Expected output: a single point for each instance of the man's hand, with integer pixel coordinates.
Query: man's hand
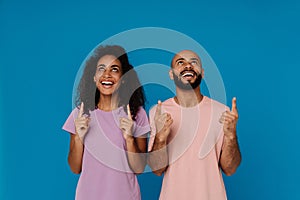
(229, 119)
(163, 122)
(230, 155)
(126, 124)
(81, 123)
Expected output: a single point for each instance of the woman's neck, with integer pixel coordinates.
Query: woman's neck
(107, 103)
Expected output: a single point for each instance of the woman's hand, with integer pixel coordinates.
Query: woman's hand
(81, 123)
(126, 125)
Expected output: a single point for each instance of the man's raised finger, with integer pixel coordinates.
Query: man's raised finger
(234, 108)
(158, 108)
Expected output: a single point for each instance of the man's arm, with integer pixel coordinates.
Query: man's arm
(230, 157)
(158, 158)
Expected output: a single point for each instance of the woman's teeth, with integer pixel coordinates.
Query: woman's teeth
(106, 83)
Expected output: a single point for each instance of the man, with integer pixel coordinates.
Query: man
(193, 137)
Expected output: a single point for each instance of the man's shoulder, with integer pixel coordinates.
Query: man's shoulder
(166, 103)
(169, 101)
(215, 103)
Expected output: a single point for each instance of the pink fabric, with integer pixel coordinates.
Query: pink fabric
(194, 148)
(105, 170)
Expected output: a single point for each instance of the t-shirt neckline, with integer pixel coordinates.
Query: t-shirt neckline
(111, 111)
(192, 107)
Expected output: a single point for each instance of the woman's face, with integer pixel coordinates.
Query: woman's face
(108, 74)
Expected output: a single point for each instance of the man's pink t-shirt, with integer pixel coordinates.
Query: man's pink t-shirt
(105, 170)
(194, 147)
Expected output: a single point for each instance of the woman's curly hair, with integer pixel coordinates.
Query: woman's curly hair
(130, 89)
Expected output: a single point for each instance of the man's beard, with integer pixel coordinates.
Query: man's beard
(187, 86)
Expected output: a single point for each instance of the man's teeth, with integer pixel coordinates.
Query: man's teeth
(188, 74)
(106, 82)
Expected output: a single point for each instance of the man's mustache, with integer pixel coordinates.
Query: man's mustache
(190, 71)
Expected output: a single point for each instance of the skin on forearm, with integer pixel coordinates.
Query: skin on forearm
(136, 154)
(230, 155)
(75, 153)
(158, 158)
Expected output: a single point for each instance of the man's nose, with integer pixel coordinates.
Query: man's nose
(188, 66)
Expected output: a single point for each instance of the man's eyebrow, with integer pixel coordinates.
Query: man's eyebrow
(179, 59)
(195, 59)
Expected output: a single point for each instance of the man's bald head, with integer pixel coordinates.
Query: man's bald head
(185, 55)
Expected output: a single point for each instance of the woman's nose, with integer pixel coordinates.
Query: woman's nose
(106, 73)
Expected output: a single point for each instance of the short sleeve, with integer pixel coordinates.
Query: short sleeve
(69, 125)
(153, 128)
(213, 138)
(142, 123)
(221, 139)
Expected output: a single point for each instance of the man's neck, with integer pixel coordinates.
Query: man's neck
(188, 98)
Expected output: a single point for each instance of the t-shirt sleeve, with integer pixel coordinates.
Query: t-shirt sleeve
(153, 128)
(221, 137)
(141, 124)
(69, 124)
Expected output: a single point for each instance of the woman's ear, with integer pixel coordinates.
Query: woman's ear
(171, 74)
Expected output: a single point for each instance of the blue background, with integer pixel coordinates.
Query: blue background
(255, 45)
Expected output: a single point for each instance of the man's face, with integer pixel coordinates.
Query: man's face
(186, 70)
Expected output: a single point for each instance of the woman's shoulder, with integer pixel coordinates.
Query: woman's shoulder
(141, 114)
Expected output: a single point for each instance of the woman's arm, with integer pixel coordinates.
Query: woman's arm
(76, 141)
(136, 153)
(75, 153)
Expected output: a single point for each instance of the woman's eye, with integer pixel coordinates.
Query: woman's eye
(101, 69)
(115, 69)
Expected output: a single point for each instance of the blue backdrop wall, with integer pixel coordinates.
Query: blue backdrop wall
(255, 45)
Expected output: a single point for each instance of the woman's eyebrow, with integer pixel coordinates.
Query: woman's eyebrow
(115, 65)
(101, 65)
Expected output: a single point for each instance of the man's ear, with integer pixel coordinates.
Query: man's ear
(94, 79)
(202, 73)
(171, 74)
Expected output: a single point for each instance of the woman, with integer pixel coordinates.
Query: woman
(108, 128)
